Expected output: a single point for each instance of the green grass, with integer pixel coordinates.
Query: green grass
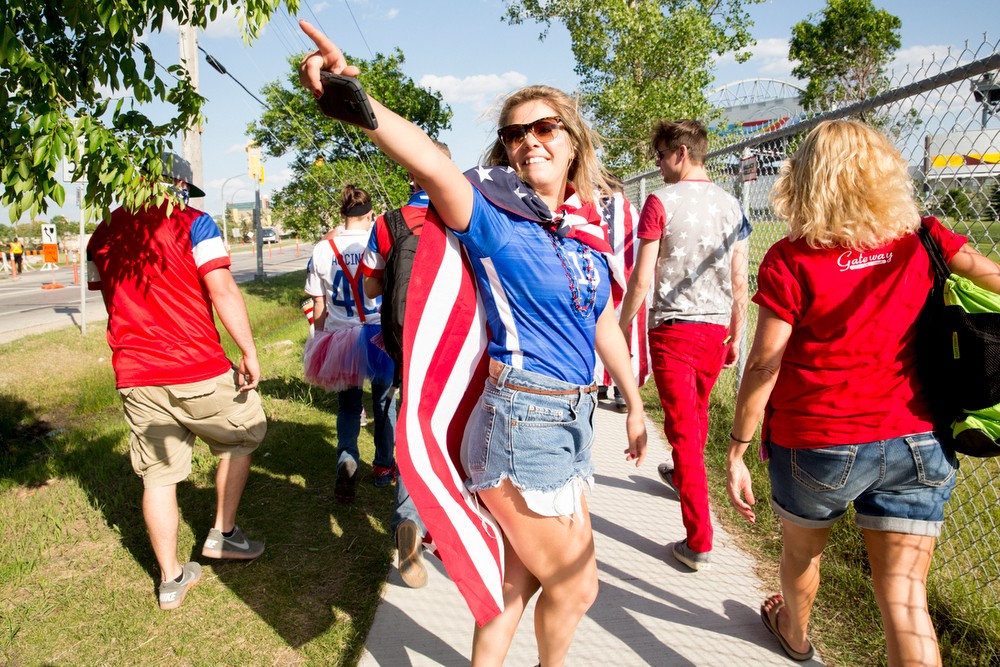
(77, 574)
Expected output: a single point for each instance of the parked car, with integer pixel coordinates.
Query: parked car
(268, 235)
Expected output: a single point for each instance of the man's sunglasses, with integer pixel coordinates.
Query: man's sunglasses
(543, 129)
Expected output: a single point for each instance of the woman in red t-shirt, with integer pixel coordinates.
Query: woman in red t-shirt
(846, 420)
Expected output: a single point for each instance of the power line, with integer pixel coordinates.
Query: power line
(315, 18)
(217, 66)
(363, 159)
(360, 32)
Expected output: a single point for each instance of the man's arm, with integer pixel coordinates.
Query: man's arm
(739, 275)
(639, 282)
(228, 303)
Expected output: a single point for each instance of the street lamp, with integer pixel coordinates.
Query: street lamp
(225, 222)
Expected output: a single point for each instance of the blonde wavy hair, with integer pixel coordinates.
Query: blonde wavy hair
(586, 168)
(846, 186)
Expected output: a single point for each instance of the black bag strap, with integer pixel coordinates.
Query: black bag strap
(398, 228)
(941, 270)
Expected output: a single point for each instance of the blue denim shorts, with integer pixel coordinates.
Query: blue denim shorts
(540, 442)
(898, 485)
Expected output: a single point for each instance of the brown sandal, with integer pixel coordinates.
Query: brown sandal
(770, 620)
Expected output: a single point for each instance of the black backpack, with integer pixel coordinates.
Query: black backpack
(395, 283)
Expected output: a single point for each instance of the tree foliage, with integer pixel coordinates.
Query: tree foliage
(843, 52)
(642, 60)
(61, 60)
(327, 154)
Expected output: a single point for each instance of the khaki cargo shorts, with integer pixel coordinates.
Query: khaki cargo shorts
(165, 421)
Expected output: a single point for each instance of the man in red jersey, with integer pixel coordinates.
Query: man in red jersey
(160, 275)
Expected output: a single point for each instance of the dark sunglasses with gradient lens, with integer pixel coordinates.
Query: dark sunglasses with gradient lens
(543, 129)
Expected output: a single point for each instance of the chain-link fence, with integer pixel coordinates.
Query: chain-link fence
(944, 116)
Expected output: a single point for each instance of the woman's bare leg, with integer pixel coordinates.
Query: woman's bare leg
(801, 549)
(899, 565)
(558, 554)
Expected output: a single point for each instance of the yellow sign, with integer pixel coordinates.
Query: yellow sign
(254, 166)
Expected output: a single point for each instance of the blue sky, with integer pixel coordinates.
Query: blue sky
(463, 49)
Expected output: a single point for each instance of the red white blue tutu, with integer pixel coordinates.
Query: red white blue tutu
(341, 359)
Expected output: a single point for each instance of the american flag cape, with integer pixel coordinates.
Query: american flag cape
(622, 223)
(445, 368)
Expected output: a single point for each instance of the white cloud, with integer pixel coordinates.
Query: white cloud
(915, 57)
(279, 179)
(225, 25)
(480, 91)
(771, 48)
(769, 59)
(392, 13)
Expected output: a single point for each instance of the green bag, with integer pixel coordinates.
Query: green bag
(959, 356)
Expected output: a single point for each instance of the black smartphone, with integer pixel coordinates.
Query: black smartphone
(345, 99)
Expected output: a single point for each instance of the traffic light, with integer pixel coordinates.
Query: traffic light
(255, 168)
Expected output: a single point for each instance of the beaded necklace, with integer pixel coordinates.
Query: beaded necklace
(582, 309)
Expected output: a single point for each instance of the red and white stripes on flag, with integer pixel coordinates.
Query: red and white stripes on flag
(622, 222)
(446, 366)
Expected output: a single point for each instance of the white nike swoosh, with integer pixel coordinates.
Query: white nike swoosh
(241, 545)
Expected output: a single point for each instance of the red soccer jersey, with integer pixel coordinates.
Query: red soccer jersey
(848, 374)
(149, 269)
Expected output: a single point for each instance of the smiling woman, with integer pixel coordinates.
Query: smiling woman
(538, 267)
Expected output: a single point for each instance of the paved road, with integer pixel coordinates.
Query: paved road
(26, 308)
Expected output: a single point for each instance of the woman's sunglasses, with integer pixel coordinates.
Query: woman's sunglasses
(543, 129)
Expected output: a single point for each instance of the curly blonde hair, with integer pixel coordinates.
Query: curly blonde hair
(846, 186)
(586, 172)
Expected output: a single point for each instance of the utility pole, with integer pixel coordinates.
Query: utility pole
(191, 140)
(256, 171)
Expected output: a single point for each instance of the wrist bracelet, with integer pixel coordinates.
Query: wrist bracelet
(742, 442)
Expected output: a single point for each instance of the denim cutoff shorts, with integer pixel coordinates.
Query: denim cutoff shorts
(898, 485)
(540, 442)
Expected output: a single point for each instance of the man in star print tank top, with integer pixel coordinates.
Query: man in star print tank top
(693, 252)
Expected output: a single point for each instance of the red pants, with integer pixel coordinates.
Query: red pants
(687, 358)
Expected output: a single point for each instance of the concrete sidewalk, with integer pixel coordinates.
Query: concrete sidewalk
(651, 610)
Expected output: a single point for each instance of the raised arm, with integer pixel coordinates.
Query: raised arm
(398, 138)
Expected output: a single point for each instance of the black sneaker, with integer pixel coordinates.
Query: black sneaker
(344, 490)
